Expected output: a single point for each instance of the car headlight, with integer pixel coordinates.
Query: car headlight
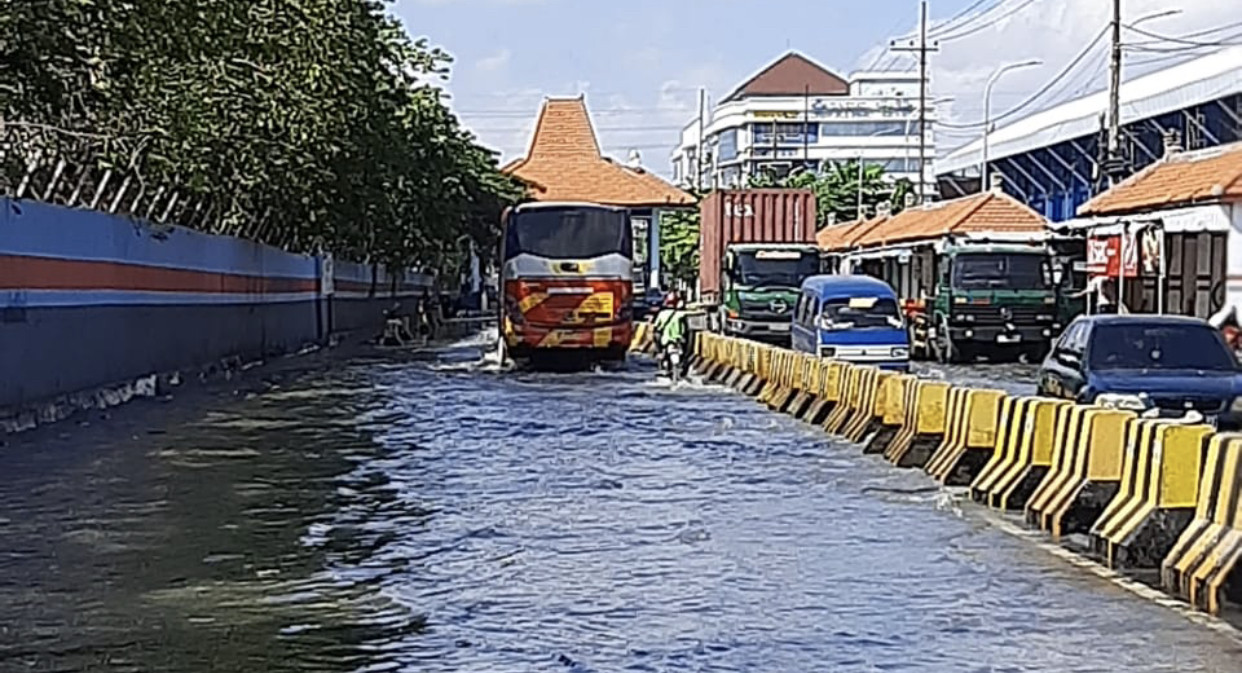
(1119, 401)
(901, 352)
(1236, 407)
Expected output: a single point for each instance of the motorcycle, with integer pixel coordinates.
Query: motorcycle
(671, 362)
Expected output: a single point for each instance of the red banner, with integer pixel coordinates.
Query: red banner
(1104, 255)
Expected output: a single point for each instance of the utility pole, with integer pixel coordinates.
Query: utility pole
(806, 127)
(923, 48)
(698, 153)
(1112, 162)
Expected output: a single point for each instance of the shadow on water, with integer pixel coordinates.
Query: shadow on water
(434, 513)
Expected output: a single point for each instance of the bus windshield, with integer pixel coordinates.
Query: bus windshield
(1000, 271)
(569, 233)
(1197, 347)
(783, 268)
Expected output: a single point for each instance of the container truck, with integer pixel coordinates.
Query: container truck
(756, 248)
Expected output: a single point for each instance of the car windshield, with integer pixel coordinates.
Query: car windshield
(1159, 347)
(784, 268)
(860, 313)
(1011, 271)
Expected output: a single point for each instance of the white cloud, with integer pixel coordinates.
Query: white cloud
(1054, 31)
(495, 62)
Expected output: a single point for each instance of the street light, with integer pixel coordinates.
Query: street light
(1153, 17)
(987, 112)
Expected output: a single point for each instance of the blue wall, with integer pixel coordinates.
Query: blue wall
(89, 299)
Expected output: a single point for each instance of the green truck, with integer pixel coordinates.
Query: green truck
(971, 299)
(756, 248)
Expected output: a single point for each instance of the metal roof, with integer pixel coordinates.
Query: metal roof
(1196, 81)
(848, 285)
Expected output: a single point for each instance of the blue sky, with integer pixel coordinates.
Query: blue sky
(640, 62)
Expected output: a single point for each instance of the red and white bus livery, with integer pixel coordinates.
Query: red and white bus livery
(567, 278)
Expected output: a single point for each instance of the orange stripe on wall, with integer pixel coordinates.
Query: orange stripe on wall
(42, 273)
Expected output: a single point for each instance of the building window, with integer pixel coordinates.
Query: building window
(786, 133)
(727, 140)
(856, 129)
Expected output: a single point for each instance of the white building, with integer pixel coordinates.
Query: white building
(820, 119)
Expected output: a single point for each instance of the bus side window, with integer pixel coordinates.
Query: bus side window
(800, 313)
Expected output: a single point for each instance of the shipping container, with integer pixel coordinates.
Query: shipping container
(734, 216)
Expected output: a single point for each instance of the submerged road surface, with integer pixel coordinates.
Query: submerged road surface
(394, 514)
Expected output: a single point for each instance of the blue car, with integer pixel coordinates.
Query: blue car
(1170, 363)
(852, 319)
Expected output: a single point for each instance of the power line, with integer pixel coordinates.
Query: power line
(967, 33)
(947, 25)
(1038, 94)
(1179, 40)
(1197, 33)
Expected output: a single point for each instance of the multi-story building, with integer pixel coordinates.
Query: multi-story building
(795, 113)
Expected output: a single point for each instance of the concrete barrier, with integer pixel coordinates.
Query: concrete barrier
(848, 402)
(1024, 446)
(969, 438)
(809, 367)
(1085, 474)
(923, 426)
(827, 393)
(870, 407)
(1157, 496)
(892, 401)
(643, 339)
(1203, 559)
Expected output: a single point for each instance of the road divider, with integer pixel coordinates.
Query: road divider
(1145, 493)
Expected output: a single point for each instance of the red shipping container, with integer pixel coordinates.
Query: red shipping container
(731, 216)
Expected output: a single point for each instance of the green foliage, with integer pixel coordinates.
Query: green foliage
(679, 244)
(836, 191)
(308, 125)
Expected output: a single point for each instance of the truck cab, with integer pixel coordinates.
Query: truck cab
(994, 300)
(760, 284)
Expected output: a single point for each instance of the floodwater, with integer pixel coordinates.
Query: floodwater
(431, 514)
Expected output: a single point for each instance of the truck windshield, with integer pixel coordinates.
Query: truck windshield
(1159, 347)
(855, 314)
(568, 233)
(783, 269)
(1000, 271)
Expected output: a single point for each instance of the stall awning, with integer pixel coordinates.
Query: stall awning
(1192, 219)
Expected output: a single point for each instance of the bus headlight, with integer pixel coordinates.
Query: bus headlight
(901, 352)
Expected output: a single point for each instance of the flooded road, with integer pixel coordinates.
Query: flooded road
(431, 515)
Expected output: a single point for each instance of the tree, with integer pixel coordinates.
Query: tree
(316, 125)
(836, 190)
(679, 244)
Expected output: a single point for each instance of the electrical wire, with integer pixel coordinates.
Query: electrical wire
(1197, 33)
(947, 25)
(967, 33)
(1038, 94)
(1179, 40)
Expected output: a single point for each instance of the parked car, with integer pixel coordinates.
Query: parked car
(852, 319)
(1170, 363)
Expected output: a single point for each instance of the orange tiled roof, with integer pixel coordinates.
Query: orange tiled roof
(987, 212)
(564, 163)
(840, 237)
(1210, 175)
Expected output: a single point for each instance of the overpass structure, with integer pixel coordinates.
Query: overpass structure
(1051, 160)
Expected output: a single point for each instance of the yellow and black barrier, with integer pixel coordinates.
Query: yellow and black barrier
(892, 402)
(969, 437)
(1024, 446)
(1203, 559)
(643, 339)
(870, 404)
(1133, 484)
(1085, 473)
(923, 426)
(1159, 490)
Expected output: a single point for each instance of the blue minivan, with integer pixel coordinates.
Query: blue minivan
(853, 319)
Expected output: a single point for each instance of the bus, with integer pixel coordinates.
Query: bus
(567, 278)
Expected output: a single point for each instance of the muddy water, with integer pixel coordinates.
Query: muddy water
(433, 515)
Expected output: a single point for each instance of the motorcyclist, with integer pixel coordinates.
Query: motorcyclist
(669, 326)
